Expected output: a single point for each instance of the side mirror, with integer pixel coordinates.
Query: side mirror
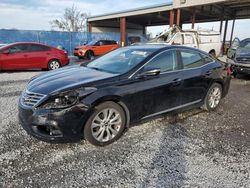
(149, 72)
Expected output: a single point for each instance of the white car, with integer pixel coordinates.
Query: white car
(206, 40)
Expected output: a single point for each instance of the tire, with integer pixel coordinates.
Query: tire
(101, 132)
(89, 55)
(214, 94)
(54, 64)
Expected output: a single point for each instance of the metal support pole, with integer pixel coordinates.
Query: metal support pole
(193, 17)
(171, 18)
(221, 25)
(224, 37)
(89, 27)
(232, 32)
(123, 31)
(144, 32)
(178, 17)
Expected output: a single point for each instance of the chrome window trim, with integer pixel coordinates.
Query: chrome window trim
(183, 69)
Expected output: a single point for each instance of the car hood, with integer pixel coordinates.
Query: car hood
(65, 78)
(243, 52)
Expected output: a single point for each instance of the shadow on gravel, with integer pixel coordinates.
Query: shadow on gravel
(168, 167)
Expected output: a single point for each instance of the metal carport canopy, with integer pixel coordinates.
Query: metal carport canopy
(206, 11)
(178, 12)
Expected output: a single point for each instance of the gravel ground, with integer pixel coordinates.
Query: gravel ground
(200, 149)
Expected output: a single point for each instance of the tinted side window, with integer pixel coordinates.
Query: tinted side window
(107, 42)
(191, 59)
(37, 48)
(19, 48)
(165, 61)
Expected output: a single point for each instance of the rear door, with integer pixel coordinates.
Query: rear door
(38, 55)
(17, 58)
(197, 72)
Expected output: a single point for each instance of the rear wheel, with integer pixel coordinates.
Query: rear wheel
(105, 125)
(54, 64)
(213, 97)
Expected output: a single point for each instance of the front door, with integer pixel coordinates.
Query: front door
(17, 58)
(160, 93)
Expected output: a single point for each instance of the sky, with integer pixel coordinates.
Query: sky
(36, 14)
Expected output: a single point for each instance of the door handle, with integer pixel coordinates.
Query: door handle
(176, 81)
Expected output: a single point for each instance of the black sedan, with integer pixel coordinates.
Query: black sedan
(99, 100)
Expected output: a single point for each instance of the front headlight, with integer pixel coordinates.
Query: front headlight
(67, 99)
(82, 51)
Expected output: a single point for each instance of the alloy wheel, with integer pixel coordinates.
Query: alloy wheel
(54, 65)
(214, 97)
(106, 124)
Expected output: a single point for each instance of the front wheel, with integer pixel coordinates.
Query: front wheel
(89, 55)
(213, 97)
(105, 125)
(54, 64)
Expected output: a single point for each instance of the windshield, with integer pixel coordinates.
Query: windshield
(121, 60)
(91, 43)
(167, 36)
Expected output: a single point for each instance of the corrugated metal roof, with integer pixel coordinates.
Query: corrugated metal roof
(132, 11)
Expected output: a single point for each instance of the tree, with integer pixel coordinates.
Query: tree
(73, 20)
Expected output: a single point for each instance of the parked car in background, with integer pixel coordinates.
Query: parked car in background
(95, 48)
(232, 49)
(98, 100)
(241, 63)
(29, 55)
(207, 40)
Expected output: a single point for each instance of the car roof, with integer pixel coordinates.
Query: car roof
(15, 43)
(161, 46)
